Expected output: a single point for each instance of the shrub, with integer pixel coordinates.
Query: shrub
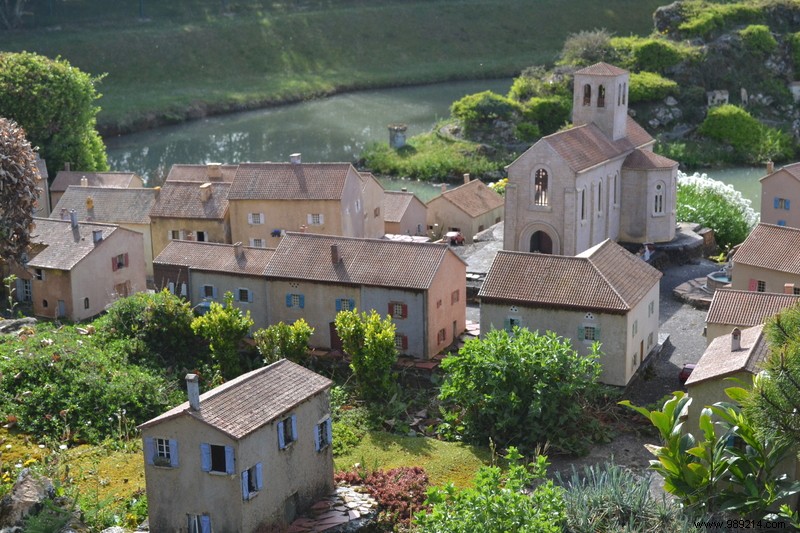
(751, 141)
(400, 492)
(715, 205)
(650, 54)
(18, 177)
(648, 87)
(758, 38)
(224, 327)
(587, 47)
(369, 341)
(550, 113)
(480, 110)
(521, 389)
(705, 18)
(535, 81)
(794, 43)
(281, 340)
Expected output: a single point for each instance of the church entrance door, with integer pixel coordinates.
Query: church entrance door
(541, 243)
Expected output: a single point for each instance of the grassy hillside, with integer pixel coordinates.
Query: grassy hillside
(187, 59)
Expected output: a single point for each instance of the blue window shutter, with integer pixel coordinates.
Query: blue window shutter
(149, 449)
(329, 430)
(249, 295)
(229, 468)
(294, 427)
(173, 453)
(581, 333)
(288, 300)
(245, 491)
(352, 304)
(597, 333)
(776, 202)
(214, 292)
(259, 476)
(302, 301)
(317, 443)
(786, 204)
(781, 222)
(281, 439)
(205, 524)
(338, 305)
(205, 457)
(507, 324)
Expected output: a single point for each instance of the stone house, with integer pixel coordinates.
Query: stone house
(779, 189)
(127, 208)
(75, 270)
(246, 456)
(469, 208)
(767, 260)
(204, 272)
(404, 213)
(422, 286)
(597, 180)
(743, 309)
(605, 294)
(269, 199)
(67, 177)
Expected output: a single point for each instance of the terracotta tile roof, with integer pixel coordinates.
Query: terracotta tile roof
(383, 263)
(647, 160)
(253, 400)
(793, 170)
(109, 204)
(772, 247)
(200, 173)
(605, 277)
(215, 257)
(637, 136)
(368, 178)
(719, 360)
(287, 181)
(474, 198)
(601, 69)
(64, 246)
(65, 178)
(181, 199)
(747, 308)
(395, 204)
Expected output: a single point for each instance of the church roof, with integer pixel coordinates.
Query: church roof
(647, 160)
(601, 69)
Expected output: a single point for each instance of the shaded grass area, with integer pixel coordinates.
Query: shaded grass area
(196, 61)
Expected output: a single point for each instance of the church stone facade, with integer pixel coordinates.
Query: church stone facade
(597, 180)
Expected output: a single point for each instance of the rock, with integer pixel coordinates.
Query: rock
(14, 325)
(114, 529)
(671, 101)
(667, 18)
(26, 497)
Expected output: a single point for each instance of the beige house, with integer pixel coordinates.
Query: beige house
(597, 180)
(77, 269)
(246, 456)
(743, 309)
(67, 177)
(269, 199)
(778, 190)
(404, 213)
(422, 286)
(190, 211)
(605, 294)
(469, 208)
(127, 208)
(372, 192)
(203, 272)
(768, 260)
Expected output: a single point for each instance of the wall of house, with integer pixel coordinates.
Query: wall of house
(640, 222)
(709, 392)
(166, 274)
(450, 316)
(775, 190)
(372, 194)
(447, 215)
(745, 278)
(642, 332)
(160, 230)
(45, 293)
(413, 326)
(714, 330)
(147, 245)
(413, 221)
(224, 282)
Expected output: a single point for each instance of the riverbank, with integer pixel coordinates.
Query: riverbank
(169, 67)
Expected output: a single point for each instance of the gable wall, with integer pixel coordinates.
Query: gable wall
(775, 280)
(160, 228)
(780, 185)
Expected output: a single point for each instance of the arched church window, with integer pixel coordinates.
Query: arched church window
(587, 94)
(540, 187)
(658, 199)
(624, 92)
(601, 96)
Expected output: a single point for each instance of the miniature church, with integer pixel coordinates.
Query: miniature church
(597, 180)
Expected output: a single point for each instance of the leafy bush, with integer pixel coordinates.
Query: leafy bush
(224, 327)
(535, 81)
(704, 18)
(587, 47)
(521, 389)
(649, 87)
(794, 43)
(758, 38)
(550, 113)
(281, 340)
(369, 341)
(650, 54)
(752, 141)
(400, 492)
(715, 205)
(480, 110)
(18, 177)
(498, 503)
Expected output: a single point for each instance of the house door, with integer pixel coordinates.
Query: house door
(336, 342)
(62, 309)
(24, 290)
(541, 243)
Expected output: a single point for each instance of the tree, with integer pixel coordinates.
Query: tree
(224, 327)
(370, 341)
(54, 102)
(284, 341)
(18, 177)
(520, 388)
(587, 47)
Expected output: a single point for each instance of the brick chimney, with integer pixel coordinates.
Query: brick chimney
(193, 390)
(466, 178)
(64, 214)
(214, 171)
(205, 192)
(736, 340)
(237, 249)
(788, 288)
(335, 257)
(66, 166)
(296, 158)
(97, 236)
(770, 166)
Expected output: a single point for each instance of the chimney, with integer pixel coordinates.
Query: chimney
(788, 288)
(770, 166)
(404, 189)
(466, 178)
(89, 203)
(157, 191)
(214, 171)
(335, 258)
(444, 188)
(193, 389)
(295, 159)
(73, 218)
(66, 167)
(237, 249)
(84, 181)
(64, 214)
(736, 340)
(97, 236)
(205, 192)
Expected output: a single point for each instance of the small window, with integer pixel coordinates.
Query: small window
(796, 290)
(454, 297)
(782, 203)
(199, 523)
(400, 342)
(252, 481)
(651, 308)
(587, 94)
(658, 199)
(589, 333)
(202, 236)
(583, 204)
(44, 303)
(295, 300)
(161, 452)
(39, 274)
(175, 235)
(540, 183)
(255, 218)
(216, 458)
(377, 211)
(209, 291)
(600, 198)
(442, 336)
(635, 328)
(218, 463)
(287, 431)
(601, 96)
(438, 303)
(244, 295)
(616, 201)
(345, 304)
(398, 310)
(781, 222)
(323, 435)
(650, 339)
(121, 260)
(761, 286)
(315, 219)
(86, 303)
(257, 243)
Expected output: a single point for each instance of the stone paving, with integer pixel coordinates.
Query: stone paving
(344, 505)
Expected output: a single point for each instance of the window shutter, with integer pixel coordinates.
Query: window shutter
(753, 285)
(352, 304)
(309, 219)
(302, 301)
(581, 333)
(775, 202)
(249, 218)
(229, 460)
(171, 287)
(114, 264)
(338, 305)
(205, 524)
(597, 333)
(329, 430)
(259, 476)
(507, 324)
(281, 439)
(245, 491)
(126, 258)
(288, 300)
(205, 457)
(294, 427)
(262, 217)
(321, 218)
(214, 292)
(169, 234)
(405, 311)
(183, 289)
(249, 295)
(173, 453)
(786, 204)
(391, 309)
(316, 438)
(149, 450)
(404, 342)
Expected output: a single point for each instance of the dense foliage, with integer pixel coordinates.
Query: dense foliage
(715, 205)
(18, 177)
(703, 18)
(758, 38)
(649, 87)
(370, 342)
(480, 110)
(587, 47)
(752, 141)
(280, 341)
(55, 103)
(521, 389)
(499, 503)
(650, 54)
(549, 113)
(400, 492)
(224, 327)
